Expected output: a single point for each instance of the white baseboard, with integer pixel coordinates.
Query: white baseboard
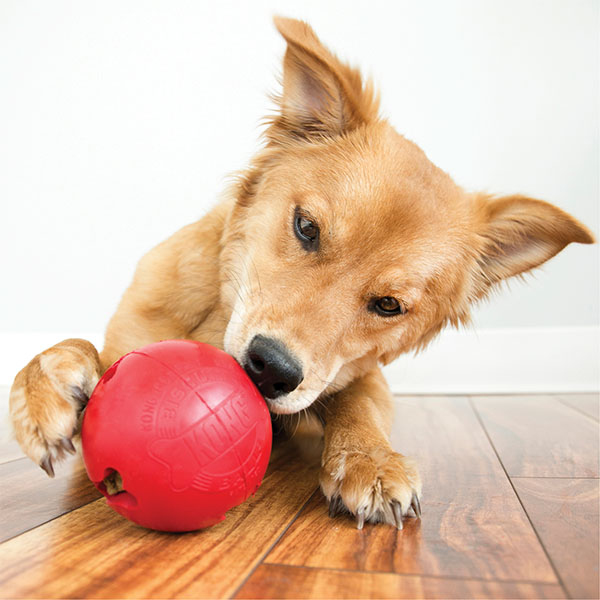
(488, 361)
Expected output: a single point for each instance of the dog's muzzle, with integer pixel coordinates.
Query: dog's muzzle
(272, 367)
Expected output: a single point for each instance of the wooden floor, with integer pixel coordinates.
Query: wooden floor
(510, 510)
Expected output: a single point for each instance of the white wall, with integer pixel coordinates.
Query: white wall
(121, 120)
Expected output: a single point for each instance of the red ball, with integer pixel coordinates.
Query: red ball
(186, 429)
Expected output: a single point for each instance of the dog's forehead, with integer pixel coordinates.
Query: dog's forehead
(378, 172)
(384, 184)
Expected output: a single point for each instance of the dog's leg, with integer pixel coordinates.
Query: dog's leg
(47, 398)
(305, 431)
(360, 472)
(49, 394)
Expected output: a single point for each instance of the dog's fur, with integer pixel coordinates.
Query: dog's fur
(391, 224)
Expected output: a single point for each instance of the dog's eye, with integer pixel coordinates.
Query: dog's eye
(387, 306)
(307, 231)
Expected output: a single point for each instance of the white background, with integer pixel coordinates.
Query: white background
(121, 121)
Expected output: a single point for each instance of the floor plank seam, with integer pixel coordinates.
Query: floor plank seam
(408, 574)
(68, 512)
(268, 551)
(577, 410)
(550, 561)
(12, 460)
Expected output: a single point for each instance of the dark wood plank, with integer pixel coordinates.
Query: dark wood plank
(588, 404)
(93, 552)
(473, 524)
(538, 436)
(29, 497)
(565, 515)
(283, 581)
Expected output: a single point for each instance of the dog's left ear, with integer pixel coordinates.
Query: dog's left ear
(517, 234)
(322, 97)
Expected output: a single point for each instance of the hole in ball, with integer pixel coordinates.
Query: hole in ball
(112, 488)
(112, 483)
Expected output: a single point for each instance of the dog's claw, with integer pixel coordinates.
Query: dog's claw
(397, 510)
(416, 506)
(79, 395)
(360, 518)
(334, 506)
(46, 464)
(67, 445)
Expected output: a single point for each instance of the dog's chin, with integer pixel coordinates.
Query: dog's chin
(289, 404)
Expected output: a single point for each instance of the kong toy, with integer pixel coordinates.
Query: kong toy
(175, 434)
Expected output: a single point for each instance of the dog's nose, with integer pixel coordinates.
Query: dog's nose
(272, 367)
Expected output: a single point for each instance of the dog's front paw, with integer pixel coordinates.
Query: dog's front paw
(378, 485)
(47, 397)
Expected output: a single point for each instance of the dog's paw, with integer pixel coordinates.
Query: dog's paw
(376, 486)
(47, 398)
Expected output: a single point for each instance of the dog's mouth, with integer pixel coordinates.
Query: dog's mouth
(279, 407)
(277, 373)
(281, 376)
(291, 403)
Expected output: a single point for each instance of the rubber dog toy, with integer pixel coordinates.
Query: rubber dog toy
(175, 434)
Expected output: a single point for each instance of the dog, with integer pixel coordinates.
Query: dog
(339, 248)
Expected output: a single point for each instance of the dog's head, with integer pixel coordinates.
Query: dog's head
(348, 247)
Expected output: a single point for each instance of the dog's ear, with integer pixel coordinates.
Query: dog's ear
(321, 96)
(517, 234)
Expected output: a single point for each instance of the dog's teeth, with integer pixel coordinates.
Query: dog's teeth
(397, 510)
(67, 445)
(360, 518)
(416, 506)
(46, 464)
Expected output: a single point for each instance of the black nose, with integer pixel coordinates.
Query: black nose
(272, 368)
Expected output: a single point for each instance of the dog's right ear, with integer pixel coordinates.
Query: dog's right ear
(321, 96)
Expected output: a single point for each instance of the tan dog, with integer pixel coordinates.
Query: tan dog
(341, 247)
